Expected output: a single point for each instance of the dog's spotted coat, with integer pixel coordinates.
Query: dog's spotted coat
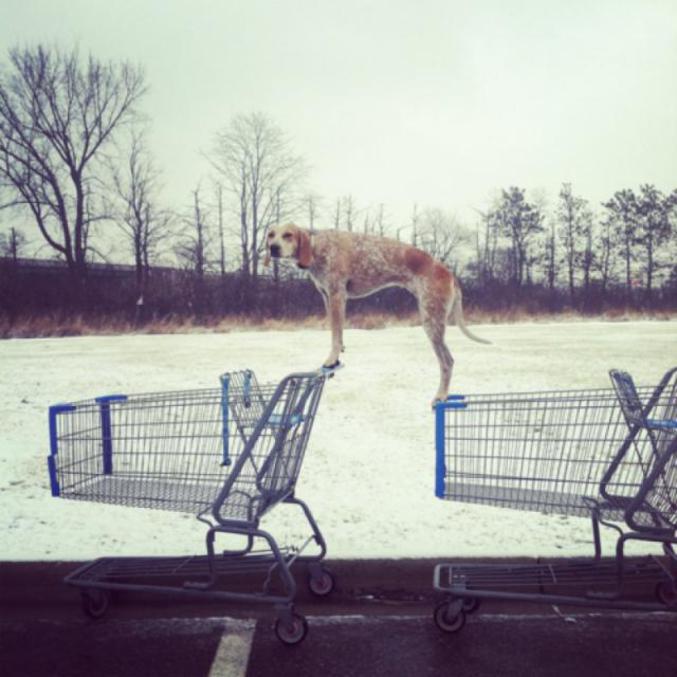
(350, 265)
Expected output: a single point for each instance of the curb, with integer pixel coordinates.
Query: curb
(24, 583)
(363, 586)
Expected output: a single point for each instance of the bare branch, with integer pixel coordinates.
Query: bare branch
(254, 161)
(56, 114)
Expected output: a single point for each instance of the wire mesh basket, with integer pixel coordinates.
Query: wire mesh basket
(605, 454)
(545, 451)
(178, 450)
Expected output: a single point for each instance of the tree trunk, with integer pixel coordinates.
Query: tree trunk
(649, 266)
(221, 242)
(628, 271)
(255, 242)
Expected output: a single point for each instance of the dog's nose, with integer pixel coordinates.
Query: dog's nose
(275, 250)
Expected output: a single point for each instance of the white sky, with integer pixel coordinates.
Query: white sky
(429, 101)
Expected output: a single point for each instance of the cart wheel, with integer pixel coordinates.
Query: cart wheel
(95, 602)
(321, 585)
(666, 593)
(448, 623)
(291, 633)
(471, 605)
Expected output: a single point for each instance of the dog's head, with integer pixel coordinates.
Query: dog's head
(289, 242)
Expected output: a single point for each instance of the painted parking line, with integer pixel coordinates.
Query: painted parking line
(205, 647)
(232, 655)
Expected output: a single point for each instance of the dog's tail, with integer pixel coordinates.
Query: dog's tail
(456, 314)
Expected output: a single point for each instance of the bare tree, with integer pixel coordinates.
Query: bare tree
(136, 211)
(441, 235)
(193, 247)
(415, 218)
(255, 160)
(537, 246)
(222, 244)
(12, 243)
(622, 214)
(603, 261)
(520, 221)
(312, 204)
(575, 221)
(654, 229)
(56, 116)
(550, 259)
(380, 225)
(587, 255)
(337, 214)
(373, 224)
(276, 261)
(349, 212)
(487, 245)
(366, 225)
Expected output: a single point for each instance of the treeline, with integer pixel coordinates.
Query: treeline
(624, 253)
(75, 163)
(30, 289)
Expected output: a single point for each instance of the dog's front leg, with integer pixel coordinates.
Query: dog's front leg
(327, 310)
(336, 312)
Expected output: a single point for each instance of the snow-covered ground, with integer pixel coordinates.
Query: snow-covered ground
(369, 472)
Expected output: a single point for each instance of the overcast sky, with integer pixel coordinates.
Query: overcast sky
(438, 102)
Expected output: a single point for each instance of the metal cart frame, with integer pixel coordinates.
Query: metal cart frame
(229, 455)
(573, 453)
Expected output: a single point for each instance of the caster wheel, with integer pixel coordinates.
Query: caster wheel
(322, 585)
(95, 602)
(448, 623)
(291, 633)
(666, 593)
(471, 605)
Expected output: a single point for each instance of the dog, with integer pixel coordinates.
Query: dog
(345, 265)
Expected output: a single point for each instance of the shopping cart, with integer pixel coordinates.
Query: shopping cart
(574, 453)
(228, 455)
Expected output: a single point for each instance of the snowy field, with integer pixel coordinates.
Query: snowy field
(369, 472)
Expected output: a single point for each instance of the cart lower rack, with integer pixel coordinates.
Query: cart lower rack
(608, 455)
(228, 455)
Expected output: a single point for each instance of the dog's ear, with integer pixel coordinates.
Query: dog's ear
(304, 253)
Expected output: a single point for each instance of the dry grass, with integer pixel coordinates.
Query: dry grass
(610, 315)
(57, 325)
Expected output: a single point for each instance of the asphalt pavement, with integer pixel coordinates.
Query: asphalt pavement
(378, 622)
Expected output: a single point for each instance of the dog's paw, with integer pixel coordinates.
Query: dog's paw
(330, 372)
(437, 400)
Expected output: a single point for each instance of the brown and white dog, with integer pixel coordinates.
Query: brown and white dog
(347, 265)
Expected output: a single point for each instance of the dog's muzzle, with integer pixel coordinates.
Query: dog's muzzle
(275, 251)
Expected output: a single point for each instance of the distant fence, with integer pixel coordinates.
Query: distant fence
(40, 286)
(36, 286)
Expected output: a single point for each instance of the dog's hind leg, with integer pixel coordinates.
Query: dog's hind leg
(434, 327)
(434, 294)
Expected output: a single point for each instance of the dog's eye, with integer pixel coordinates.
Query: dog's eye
(287, 236)
(271, 235)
